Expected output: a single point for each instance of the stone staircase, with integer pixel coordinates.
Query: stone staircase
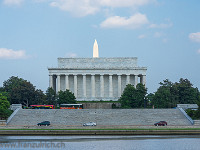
(101, 116)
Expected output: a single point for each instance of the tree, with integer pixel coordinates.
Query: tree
(5, 112)
(21, 91)
(164, 97)
(149, 99)
(40, 97)
(128, 97)
(141, 92)
(186, 93)
(133, 97)
(170, 94)
(66, 97)
(51, 97)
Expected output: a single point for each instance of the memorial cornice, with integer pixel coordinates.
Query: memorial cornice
(134, 68)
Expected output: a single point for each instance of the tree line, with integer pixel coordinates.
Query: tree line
(168, 95)
(20, 91)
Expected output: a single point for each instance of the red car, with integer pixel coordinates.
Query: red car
(161, 123)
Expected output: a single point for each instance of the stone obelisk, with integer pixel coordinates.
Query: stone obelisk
(95, 50)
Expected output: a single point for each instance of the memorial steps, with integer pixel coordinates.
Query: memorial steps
(26, 117)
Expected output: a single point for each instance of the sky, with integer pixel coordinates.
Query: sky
(163, 34)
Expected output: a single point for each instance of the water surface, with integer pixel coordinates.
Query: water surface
(100, 142)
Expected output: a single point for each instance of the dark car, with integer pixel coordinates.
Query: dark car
(160, 123)
(44, 123)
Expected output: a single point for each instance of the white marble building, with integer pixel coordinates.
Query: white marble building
(96, 78)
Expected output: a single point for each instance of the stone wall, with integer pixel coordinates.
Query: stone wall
(15, 106)
(188, 106)
(2, 122)
(80, 63)
(99, 105)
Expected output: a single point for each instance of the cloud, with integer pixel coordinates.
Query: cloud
(11, 54)
(142, 36)
(133, 22)
(158, 34)
(198, 51)
(79, 8)
(40, 1)
(71, 55)
(165, 40)
(161, 26)
(13, 2)
(195, 37)
(124, 3)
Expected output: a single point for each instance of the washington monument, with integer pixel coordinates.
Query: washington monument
(95, 50)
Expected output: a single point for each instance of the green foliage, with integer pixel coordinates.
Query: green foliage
(40, 97)
(4, 103)
(66, 97)
(5, 112)
(51, 97)
(194, 114)
(186, 93)
(162, 98)
(149, 99)
(170, 94)
(21, 91)
(141, 92)
(133, 97)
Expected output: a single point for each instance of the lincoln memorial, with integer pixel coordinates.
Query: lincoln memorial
(96, 78)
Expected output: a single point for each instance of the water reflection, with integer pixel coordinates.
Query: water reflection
(102, 142)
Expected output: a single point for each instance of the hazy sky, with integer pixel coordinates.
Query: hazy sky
(163, 34)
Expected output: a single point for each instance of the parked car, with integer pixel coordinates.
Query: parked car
(44, 123)
(160, 123)
(90, 124)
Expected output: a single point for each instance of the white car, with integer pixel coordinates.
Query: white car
(90, 124)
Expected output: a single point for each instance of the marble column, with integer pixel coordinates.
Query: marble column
(144, 79)
(84, 86)
(66, 82)
(58, 83)
(110, 86)
(119, 85)
(75, 85)
(54, 83)
(140, 78)
(102, 86)
(50, 81)
(136, 81)
(127, 79)
(93, 85)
